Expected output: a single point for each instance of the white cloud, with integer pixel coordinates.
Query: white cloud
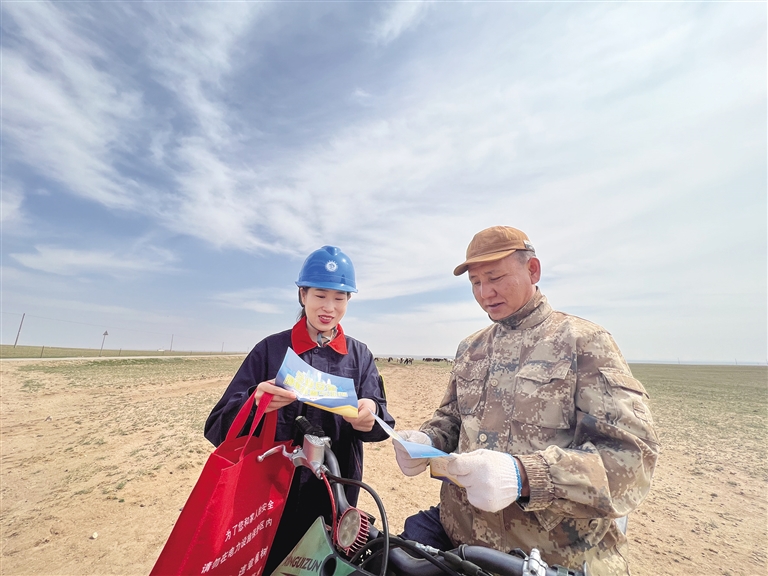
(11, 200)
(361, 97)
(192, 53)
(61, 113)
(191, 50)
(430, 330)
(398, 17)
(72, 262)
(262, 301)
(73, 120)
(215, 203)
(562, 156)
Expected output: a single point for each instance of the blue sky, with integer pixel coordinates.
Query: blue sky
(167, 166)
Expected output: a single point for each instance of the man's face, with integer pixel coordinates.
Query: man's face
(503, 286)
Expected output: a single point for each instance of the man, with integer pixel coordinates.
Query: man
(551, 434)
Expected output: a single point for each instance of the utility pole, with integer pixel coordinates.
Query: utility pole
(222, 347)
(171, 348)
(19, 332)
(102, 341)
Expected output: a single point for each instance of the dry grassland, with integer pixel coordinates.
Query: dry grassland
(113, 448)
(8, 351)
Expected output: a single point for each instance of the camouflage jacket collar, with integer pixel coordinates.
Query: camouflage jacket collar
(535, 311)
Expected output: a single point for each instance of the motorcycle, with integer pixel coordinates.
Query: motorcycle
(353, 546)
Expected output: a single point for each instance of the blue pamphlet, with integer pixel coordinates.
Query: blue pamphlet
(325, 391)
(414, 449)
(438, 460)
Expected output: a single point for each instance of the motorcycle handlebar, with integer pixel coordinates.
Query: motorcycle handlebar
(488, 559)
(472, 559)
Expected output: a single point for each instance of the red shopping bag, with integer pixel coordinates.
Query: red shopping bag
(230, 518)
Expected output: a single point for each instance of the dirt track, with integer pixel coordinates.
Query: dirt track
(84, 455)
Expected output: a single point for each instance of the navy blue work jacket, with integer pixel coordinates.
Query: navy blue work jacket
(308, 497)
(262, 364)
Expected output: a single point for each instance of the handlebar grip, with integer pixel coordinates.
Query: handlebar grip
(404, 563)
(303, 427)
(487, 558)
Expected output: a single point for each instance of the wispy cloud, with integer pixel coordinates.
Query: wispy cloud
(77, 122)
(433, 330)
(191, 50)
(397, 18)
(62, 112)
(524, 146)
(362, 97)
(11, 199)
(71, 262)
(193, 54)
(262, 301)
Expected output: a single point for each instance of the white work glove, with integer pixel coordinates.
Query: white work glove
(491, 478)
(411, 466)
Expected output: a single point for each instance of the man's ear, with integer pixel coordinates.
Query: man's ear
(534, 269)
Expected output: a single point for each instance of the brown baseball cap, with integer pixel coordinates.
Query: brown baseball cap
(494, 243)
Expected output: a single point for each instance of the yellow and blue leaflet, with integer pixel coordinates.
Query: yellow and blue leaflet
(325, 391)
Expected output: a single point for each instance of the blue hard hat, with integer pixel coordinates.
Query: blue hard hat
(328, 267)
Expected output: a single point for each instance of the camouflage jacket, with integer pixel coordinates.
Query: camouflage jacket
(553, 390)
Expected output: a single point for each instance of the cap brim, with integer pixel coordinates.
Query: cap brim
(461, 268)
(327, 286)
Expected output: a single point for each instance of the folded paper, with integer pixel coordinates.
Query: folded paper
(325, 391)
(438, 460)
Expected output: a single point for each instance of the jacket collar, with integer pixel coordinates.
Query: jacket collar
(535, 311)
(301, 341)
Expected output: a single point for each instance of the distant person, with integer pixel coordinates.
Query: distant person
(326, 282)
(553, 437)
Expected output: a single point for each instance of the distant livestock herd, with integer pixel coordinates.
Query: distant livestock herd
(410, 360)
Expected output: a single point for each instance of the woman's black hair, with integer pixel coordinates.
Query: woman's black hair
(302, 312)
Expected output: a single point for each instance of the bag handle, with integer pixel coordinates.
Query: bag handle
(270, 424)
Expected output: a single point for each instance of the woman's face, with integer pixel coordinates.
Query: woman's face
(324, 308)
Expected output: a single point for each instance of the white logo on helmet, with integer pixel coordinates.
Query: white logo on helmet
(331, 266)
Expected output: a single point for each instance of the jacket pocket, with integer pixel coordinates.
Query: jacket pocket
(628, 396)
(470, 385)
(620, 379)
(543, 395)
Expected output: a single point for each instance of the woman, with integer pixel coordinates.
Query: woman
(326, 281)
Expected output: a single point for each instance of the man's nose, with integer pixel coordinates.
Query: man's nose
(485, 290)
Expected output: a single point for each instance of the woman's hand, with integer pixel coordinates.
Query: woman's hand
(282, 397)
(364, 422)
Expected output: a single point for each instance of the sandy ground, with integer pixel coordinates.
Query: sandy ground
(93, 474)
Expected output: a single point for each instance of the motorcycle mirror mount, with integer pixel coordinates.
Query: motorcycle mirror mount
(312, 455)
